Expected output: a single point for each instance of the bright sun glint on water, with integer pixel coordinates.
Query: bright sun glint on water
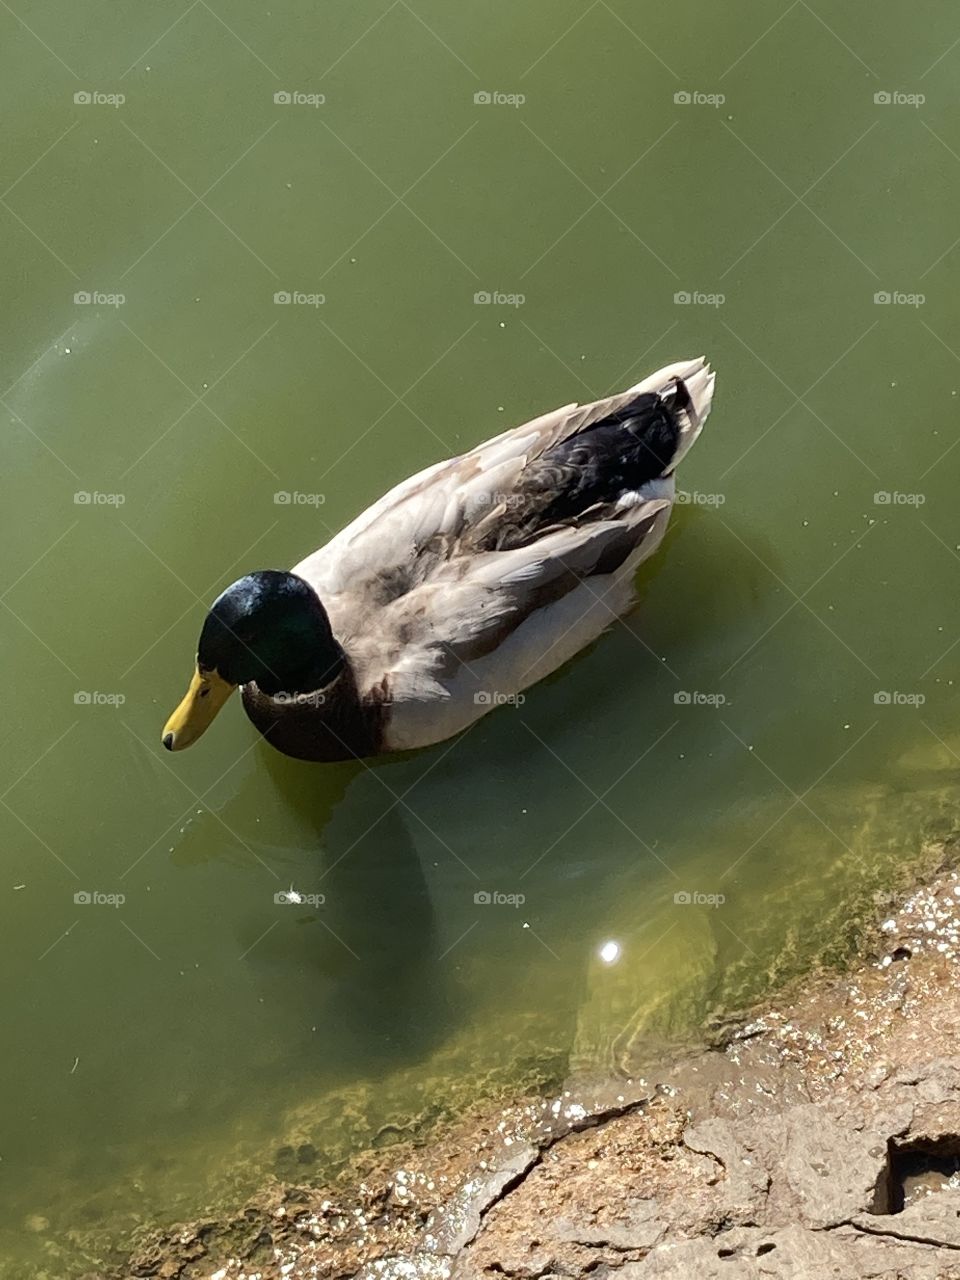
(610, 952)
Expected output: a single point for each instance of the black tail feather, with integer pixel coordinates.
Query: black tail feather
(590, 471)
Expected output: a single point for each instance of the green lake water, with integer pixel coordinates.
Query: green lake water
(775, 725)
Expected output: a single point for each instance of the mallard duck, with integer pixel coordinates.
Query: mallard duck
(457, 590)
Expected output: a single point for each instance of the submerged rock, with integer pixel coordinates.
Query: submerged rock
(820, 1138)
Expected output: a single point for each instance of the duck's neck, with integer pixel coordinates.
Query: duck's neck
(319, 669)
(326, 725)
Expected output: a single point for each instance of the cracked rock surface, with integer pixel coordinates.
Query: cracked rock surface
(822, 1140)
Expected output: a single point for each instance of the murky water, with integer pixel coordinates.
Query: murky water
(756, 733)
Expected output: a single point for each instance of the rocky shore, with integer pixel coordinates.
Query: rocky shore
(820, 1137)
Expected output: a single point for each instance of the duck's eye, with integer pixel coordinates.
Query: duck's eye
(203, 692)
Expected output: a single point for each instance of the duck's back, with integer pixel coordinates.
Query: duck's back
(482, 574)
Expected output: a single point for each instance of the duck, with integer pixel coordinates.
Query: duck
(459, 589)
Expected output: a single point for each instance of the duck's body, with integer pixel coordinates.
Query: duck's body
(481, 575)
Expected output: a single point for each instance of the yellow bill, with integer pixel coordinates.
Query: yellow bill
(206, 695)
